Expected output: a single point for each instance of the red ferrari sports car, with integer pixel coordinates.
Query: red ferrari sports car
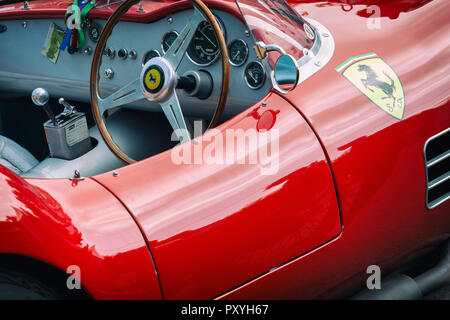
(222, 149)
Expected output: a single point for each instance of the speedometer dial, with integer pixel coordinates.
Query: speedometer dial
(204, 48)
(255, 75)
(238, 51)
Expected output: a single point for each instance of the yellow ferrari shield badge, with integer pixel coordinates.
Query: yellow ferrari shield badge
(153, 79)
(376, 80)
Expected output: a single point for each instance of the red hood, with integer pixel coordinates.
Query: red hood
(389, 8)
(57, 8)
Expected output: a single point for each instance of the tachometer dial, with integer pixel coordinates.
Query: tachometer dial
(255, 75)
(168, 39)
(238, 51)
(150, 55)
(204, 48)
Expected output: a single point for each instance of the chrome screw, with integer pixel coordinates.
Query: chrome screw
(77, 176)
(133, 54)
(26, 6)
(141, 8)
(87, 51)
(109, 73)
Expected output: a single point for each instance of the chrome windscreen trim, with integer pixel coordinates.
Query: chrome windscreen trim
(320, 54)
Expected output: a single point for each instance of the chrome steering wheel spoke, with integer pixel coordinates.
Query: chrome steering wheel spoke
(158, 79)
(127, 94)
(179, 47)
(172, 110)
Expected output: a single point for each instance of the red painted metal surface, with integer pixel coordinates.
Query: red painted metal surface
(78, 224)
(214, 228)
(154, 10)
(368, 8)
(377, 160)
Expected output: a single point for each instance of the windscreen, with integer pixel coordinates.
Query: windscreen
(275, 22)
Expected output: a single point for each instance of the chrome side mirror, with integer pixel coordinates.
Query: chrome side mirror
(285, 74)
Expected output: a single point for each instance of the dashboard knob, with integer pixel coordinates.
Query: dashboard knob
(133, 54)
(71, 50)
(109, 73)
(111, 53)
(122, 54)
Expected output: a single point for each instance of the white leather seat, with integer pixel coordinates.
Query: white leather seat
(14, 157)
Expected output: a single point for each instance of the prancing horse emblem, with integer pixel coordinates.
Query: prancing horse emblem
(373, 81)
(376, 80)
(152, 78)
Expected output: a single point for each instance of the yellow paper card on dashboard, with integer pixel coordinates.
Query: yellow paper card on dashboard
(52, 43)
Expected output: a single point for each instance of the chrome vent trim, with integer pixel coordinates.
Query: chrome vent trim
(436, 153)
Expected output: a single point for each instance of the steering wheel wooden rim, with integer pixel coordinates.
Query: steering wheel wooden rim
(97, 61)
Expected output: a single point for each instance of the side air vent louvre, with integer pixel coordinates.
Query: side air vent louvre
(437, 168)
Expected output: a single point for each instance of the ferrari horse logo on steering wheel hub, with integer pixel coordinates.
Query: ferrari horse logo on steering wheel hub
(154, 79)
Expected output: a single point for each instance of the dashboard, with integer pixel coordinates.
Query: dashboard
(23, 67)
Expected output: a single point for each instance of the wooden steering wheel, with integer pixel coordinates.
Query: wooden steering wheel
(158, 78)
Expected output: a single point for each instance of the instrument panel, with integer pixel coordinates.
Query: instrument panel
(248, 79)
(204, 50)
(131, 45)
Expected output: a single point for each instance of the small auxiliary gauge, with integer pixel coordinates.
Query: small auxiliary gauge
(150, 55)
(94, 31)
(255, 75)
(238, 51)
(168, 39)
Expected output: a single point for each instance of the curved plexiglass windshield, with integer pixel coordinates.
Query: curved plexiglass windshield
(274, 22)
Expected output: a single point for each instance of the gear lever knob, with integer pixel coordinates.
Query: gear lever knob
(40, 97)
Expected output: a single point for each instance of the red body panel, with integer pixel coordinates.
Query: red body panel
(377, 160)
(79, 224)
(213, 228)
(154, 10)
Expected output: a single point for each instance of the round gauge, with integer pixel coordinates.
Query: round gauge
(168, 39)
(150, 55)
(255, 75)
(238, 51)
(204, 49)
(94, 31)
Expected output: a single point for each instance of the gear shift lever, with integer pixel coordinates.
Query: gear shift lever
(40, 98)
(67, 134)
